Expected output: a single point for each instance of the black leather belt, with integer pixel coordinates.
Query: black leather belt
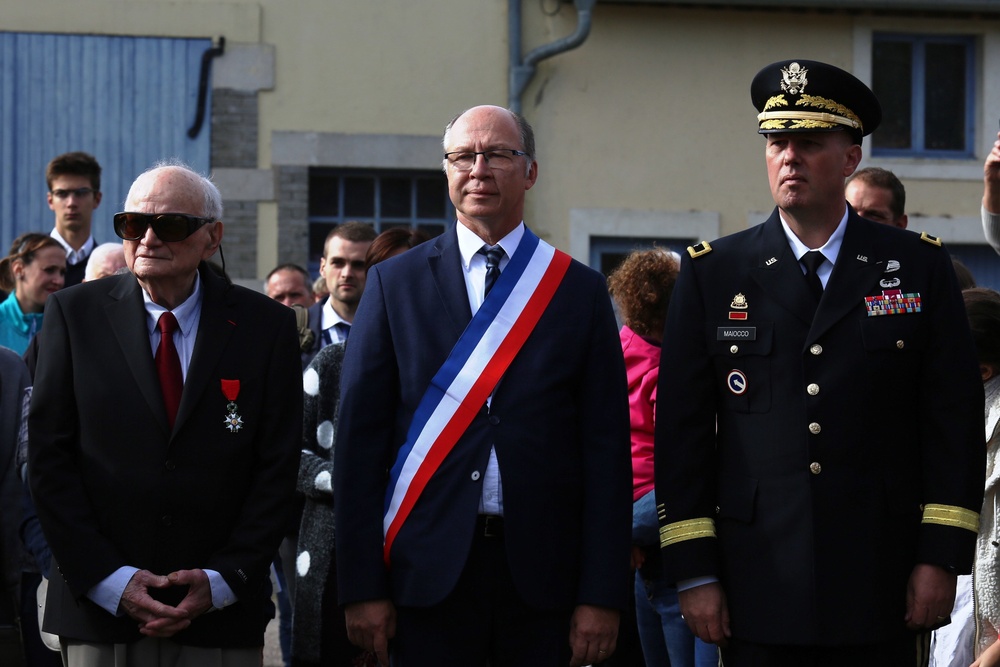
(489, 525)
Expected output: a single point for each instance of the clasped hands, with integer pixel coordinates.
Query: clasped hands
(157, 619)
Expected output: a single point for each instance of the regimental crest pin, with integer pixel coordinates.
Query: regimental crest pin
(793, 79)
(891, 265)
(739, 302)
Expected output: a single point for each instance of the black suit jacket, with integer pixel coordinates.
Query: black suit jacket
(816, 466)
(115, 486)
(558, 420)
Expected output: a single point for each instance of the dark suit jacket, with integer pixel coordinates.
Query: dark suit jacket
(559, 421)
(114, 486)
(14, 379)
(847, 425)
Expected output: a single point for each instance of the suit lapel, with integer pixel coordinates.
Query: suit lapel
(857, 269)
(214, 330)
(127, 320)
(446, 271)
(779, 274)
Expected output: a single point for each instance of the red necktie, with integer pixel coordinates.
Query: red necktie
(168, 366)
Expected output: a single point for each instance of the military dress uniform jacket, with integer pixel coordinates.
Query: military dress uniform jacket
(115, 486)
(810, 462)
(558, 420)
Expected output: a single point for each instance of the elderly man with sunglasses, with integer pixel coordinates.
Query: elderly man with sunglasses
(164, 436)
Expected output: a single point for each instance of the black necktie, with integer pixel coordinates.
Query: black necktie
(812, 261)
(493, 257)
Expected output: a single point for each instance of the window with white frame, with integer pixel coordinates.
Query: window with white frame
(926, 85)
(382, 198)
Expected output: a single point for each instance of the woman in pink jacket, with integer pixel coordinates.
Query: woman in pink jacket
(641, 288)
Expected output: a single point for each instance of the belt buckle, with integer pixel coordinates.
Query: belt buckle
(492, 525)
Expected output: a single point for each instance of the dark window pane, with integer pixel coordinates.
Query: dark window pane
(359, 197)
(395, 197)
(432, 230)
(317, 234)
(892, 64)
(431, 196)
(944, 110)
(323, 195)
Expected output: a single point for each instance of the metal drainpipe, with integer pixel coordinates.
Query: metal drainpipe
(522, 72)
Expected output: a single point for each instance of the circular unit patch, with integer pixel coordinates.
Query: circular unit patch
(737, 382)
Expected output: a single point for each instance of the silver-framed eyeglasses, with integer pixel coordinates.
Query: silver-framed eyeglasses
(496, 158)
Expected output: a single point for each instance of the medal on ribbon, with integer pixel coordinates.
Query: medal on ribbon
(231, 390)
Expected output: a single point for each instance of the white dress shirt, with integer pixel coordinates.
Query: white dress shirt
(474, 270)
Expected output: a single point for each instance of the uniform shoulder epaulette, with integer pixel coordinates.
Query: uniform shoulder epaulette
(699, 249)
(933, 240)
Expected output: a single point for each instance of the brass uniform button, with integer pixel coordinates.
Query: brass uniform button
(812, 389)
(900, 344)
(815, 428)
(734, 349)
(816, 350)
(815, 468)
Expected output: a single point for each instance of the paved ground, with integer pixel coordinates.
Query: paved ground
(272, 650)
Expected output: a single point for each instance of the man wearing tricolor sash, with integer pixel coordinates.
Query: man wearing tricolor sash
(481, 470)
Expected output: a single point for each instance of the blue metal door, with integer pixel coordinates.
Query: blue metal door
(128, 101)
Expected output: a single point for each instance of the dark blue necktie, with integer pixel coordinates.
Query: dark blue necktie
(493, 257)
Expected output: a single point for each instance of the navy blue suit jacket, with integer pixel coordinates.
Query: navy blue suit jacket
(558, 420)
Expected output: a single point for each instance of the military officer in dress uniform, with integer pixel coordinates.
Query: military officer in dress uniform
(819, 442)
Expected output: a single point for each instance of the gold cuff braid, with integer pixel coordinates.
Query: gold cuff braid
(951, 515)
(686, 530)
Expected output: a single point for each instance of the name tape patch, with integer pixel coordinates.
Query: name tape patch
(737, 333)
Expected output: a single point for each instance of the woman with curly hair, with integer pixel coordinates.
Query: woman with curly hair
(34, 268)
(641, 287)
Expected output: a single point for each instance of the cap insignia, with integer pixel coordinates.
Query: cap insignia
(793, 79)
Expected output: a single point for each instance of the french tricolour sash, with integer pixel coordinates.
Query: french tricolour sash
(469, 374)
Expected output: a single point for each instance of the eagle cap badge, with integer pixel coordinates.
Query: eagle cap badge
(793, 79)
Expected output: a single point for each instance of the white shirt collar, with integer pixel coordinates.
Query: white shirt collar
(469, 244)
(188, 313)
(74, 256)
(830, 249)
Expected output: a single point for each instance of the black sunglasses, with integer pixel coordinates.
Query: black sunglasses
(168, 227)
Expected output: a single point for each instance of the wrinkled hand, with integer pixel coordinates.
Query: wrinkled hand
(593, 634)
(991, 178)
(370, 625)
(930, 596)
(706, 612)
(197, 601)
(137, 603)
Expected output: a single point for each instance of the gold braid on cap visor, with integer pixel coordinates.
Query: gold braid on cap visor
(775, 120)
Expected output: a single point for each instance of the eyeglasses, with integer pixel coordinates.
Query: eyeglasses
(497, 158)
(168, 227)
(78, 192)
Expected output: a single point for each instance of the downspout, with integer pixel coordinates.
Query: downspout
(522, 72)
